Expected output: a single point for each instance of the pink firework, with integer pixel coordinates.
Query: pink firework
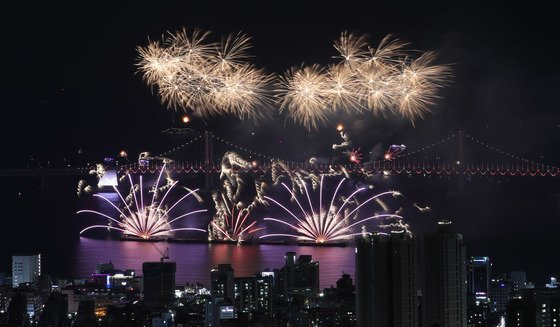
(355, 156)
(236, 225)
(145, 222)
(331, 222)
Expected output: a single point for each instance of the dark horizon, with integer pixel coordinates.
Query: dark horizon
(72, 72)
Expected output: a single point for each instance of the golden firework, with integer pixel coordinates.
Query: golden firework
(194, 74)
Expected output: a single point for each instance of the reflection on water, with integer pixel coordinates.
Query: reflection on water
(194, 260)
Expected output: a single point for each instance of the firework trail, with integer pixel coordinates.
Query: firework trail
(422, 209)
(241, 192)
(208, 78)
(142, 221)
(346, 142)
(83, 185)
(328, 222)
(394, 151)
(234, 225)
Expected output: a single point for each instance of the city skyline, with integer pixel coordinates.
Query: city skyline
(398, 282)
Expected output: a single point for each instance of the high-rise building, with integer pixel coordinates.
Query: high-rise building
(518, 280)
(478, 278)
(246, 294)
(254, 294)
(159, 283)
(539, 307)
(299, 275)
(445, 286)
(265, 291)
(222, 283)
(478, 290)
(500, 294)
(25, 269)
(385, 275)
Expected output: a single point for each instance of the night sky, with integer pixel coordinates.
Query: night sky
(69, 82)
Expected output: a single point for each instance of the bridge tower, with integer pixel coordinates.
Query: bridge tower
(208, 159)
(461, 160)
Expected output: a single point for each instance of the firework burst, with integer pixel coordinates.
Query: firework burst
(142, 221)
(355, 156)
(303, 93)
(216, 78)
(368, 78)
(328, 222)
(207, 78)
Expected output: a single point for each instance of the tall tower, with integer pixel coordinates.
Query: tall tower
(461, 160)
(159, 283)
(222, 282)
(479, 276)
(208, 159)
(385, 274)
(445, 291)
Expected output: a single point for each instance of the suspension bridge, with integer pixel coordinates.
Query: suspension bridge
(202, 154)
(410, 162)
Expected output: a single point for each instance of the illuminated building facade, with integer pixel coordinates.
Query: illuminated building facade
(222, 283)
(500, 294)
(254, 294)
(25, 269)
(538, 307)
(479, 276)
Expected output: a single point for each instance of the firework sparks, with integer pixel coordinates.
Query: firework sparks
(355, 156)
(235, 224)
(192, 73)
(328, 223)
(208, 78)
(145, 222)
(368, 78)
(394, 151)
(422, 209)
(304, 95)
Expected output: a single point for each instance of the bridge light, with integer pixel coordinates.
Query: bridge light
(254, 163)
(185, 119)
(123, 154)
(339, 127)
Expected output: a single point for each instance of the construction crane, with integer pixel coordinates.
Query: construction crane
(164, 255)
